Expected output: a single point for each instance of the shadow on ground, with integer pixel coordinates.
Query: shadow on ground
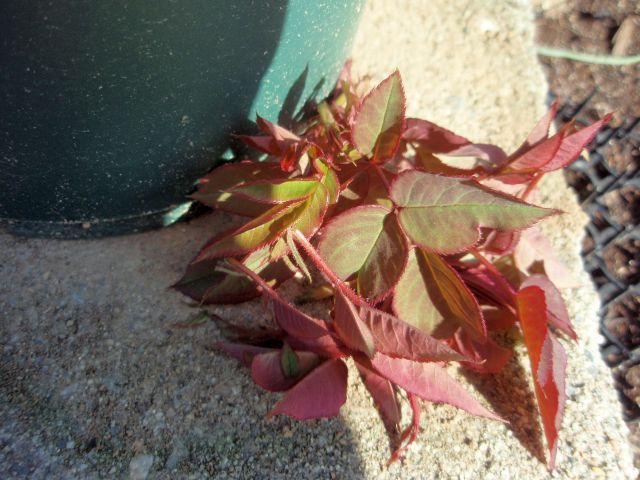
(511, 397)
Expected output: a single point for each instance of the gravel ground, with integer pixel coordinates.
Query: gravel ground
(95, 383)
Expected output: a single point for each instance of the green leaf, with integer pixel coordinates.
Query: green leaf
(257, 233)
(213, 189)
(432, 297)
(313, 211)
(299, 261)
(329, 180)
(276, 191)
(379, 121)
(443, 214)
(368, 241)
(289, 362)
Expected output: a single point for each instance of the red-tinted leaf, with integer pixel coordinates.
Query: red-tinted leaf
(501, 243)
(499, 319)
(493, 154)
(432, 297)
(350, 327)
(484, 284)
(396, 338)
(267, 372)
(443, 214)
(320, 394)
(212, 190)
(293, 321)
(313, 211)
(366, 241)
(430, 382)
(432, 137)
(553, 153)
(379, 120)
(572, 145)
(541, 130)
(242, 352)
(435, 139)
(429, 163)
(280, 134)
(206, 283)
(275, 142)
(254, 234)
(383, 395)
(548, 363)
(325, 346)
(557, 312)
(538, 156)
(535, 246)
(488, 355)
(276, 191)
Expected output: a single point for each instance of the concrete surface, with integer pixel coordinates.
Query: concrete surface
(94, 383)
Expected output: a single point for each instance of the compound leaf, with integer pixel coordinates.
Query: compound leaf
(443, 214)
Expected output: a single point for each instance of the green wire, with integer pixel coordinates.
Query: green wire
(587, 57)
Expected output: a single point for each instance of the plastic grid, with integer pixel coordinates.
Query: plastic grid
(596, 178)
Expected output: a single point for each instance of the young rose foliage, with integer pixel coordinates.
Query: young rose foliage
(420, 252)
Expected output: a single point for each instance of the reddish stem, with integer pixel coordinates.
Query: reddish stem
(315, 257)
(384, 180)
(531, 186)
(411, 431)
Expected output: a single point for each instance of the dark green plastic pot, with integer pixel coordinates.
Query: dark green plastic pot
(112, 110)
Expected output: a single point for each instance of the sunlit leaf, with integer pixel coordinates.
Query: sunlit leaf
(534, 246)
(557, 313)
(366, 241)
(548, 363)
(276, 191)
(430, 382)
(443, 214)
(379, 120)
(432, 297)
(320, 394)
(352, 330)
(396, 338)
(254, 234)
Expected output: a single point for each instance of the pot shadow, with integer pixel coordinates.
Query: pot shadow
(511, 397)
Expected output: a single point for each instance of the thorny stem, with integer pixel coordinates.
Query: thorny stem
(491, 267)
(411, 431)
(315, 257)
